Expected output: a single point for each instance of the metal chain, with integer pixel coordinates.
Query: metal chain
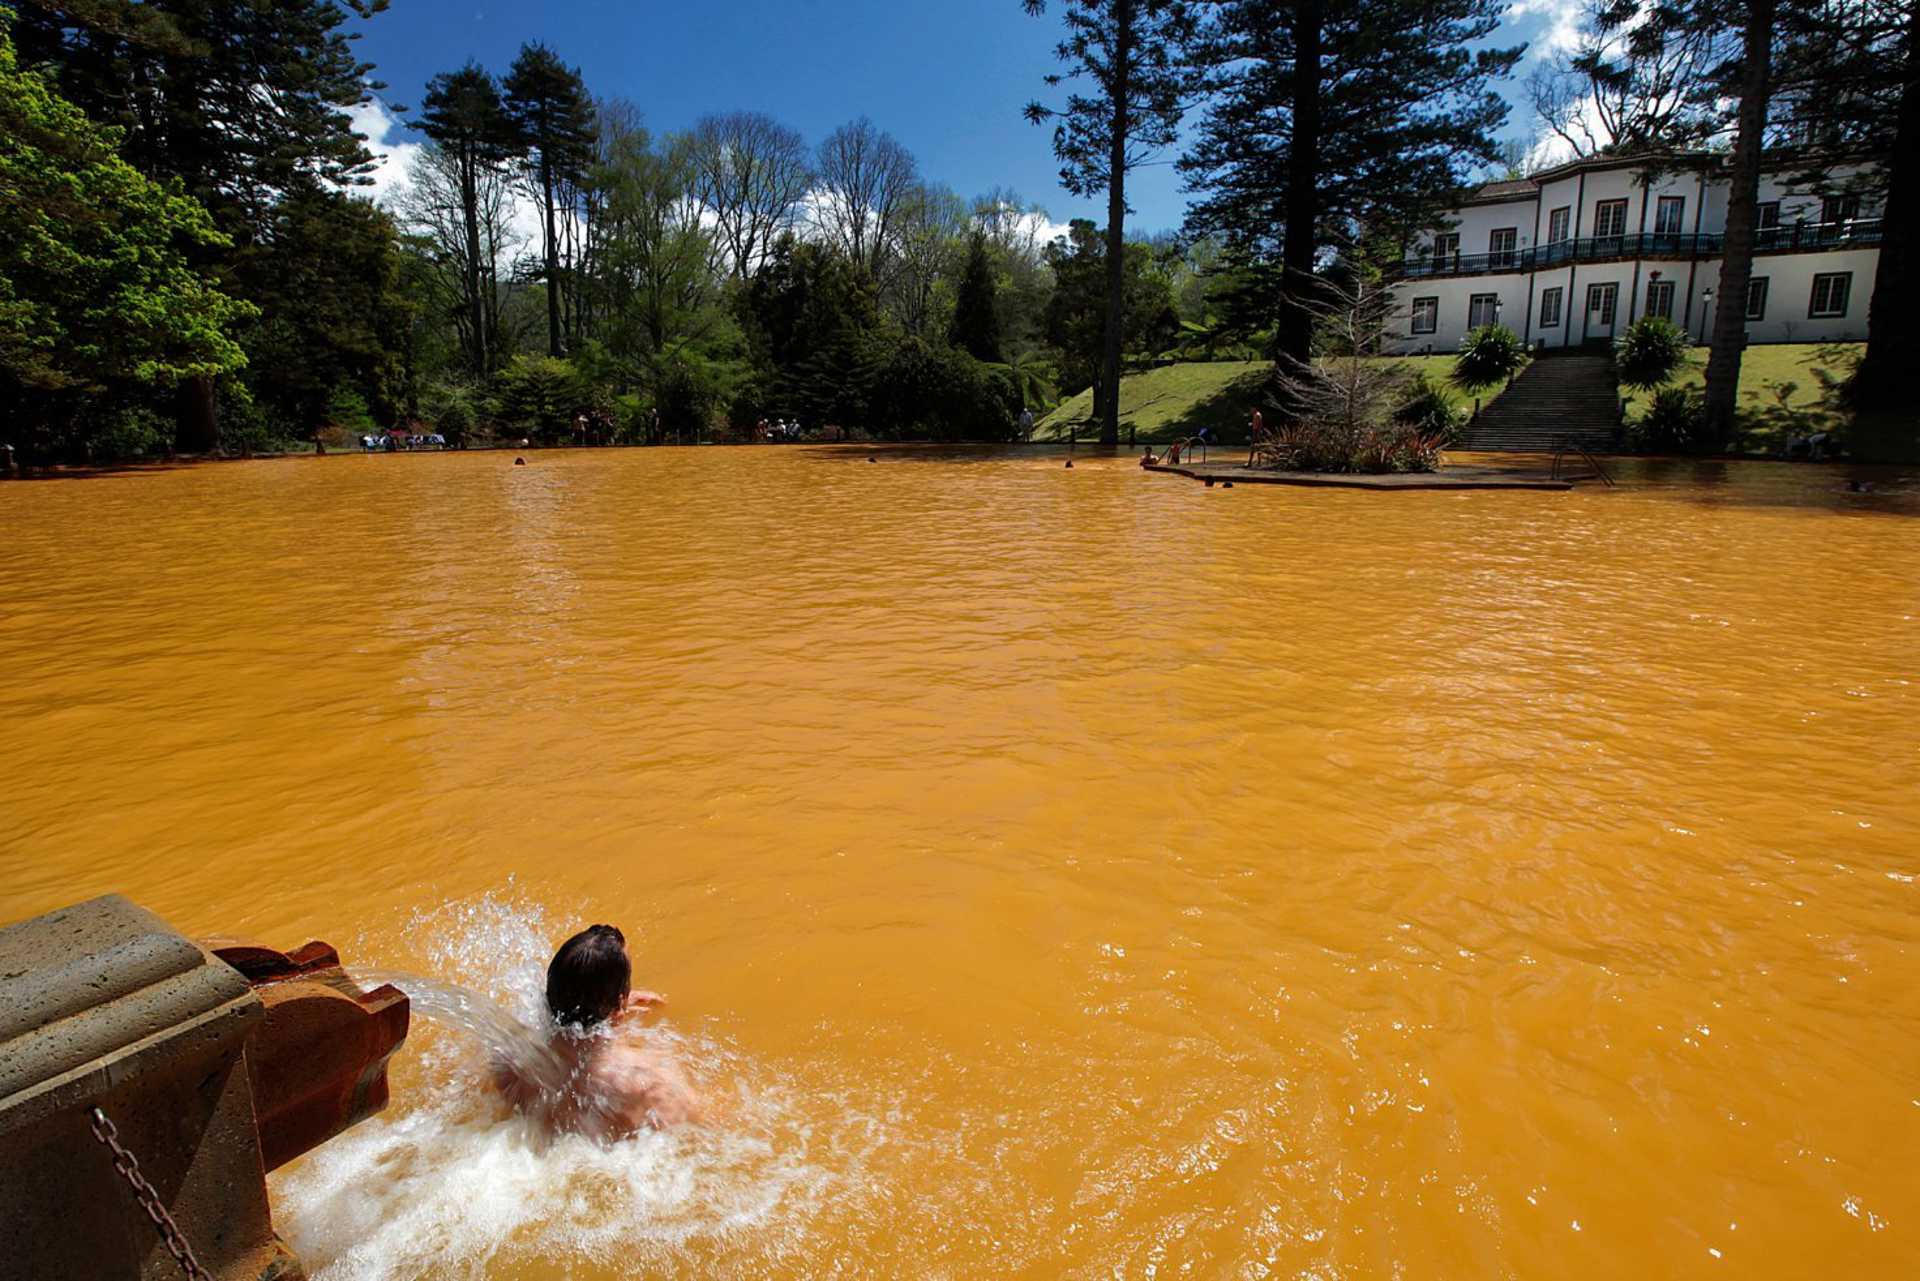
(129, 1168)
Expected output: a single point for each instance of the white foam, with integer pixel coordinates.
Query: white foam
(445, 1182)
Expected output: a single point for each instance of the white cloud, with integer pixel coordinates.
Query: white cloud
(1562, 21)
(392, 152)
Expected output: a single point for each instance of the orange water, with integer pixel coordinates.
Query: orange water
(1061, 873)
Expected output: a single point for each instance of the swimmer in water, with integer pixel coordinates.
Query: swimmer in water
(615, 1084)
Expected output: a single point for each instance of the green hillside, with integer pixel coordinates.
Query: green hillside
(1177, 400)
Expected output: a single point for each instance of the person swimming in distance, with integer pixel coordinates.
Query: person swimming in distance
(615, 1085)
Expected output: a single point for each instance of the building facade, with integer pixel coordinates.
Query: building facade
(1574, 255)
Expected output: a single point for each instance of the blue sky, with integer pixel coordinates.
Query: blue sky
(946, 77)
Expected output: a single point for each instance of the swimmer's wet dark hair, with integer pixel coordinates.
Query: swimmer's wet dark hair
(589, 977)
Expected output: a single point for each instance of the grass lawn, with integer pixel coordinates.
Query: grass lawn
(1781, 395)
(1175, 401)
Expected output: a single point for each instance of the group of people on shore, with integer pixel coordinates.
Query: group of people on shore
(778, 432)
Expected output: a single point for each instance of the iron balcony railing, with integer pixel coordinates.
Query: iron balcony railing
(1851, 234)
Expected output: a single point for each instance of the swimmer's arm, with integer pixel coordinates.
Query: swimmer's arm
(644, 1000)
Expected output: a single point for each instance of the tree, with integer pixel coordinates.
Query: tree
(657, 263)
(1126, 51)
(548, 104)
(464, 263)
(463, 115)
(1077, 313)
(333, 317)
(1627, 89)
(812, 319)
(976, 318)
(751, 172)
(1751, 82)
(97, 293)
(922, 257)
(1333, 120)
(1849, 84)
(866, 180)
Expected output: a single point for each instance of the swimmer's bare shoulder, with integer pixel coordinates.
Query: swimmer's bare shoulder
(646, 1087)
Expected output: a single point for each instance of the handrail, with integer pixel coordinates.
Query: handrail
(1567, 444)
(1851, 233)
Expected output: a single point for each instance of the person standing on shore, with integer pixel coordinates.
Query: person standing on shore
(1026, 425)
(1255, 429)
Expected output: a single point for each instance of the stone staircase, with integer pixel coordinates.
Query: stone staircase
(1555, 399)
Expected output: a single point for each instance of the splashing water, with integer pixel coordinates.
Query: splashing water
(505, 1038)
(448, 1183)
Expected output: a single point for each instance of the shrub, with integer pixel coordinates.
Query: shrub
(538, 395)
(347, 410)
(130, 431)
(685, 400)
(944, 394)
(1488, 357)
(1392, 447)
(1426, 407)
(1671, 423)
(1649, 353)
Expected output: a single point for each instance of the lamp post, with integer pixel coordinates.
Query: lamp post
(1706, 304)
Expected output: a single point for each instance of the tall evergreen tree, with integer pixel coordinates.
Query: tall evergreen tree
(1335, 119)
(234, 98)
(1127, 52)
(549, 105)
(463, 113)
(98, 298)
(976, 313)
(1884, 382)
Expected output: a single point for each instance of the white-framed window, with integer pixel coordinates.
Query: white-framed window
(1557, 224)
(1769, 215)
(1550, 307)
(1446, 246)
(1482, 309)
(1669, 215)
(1500, 246)
(1426, 315)
(1660, 299)
(1610, 218)
(1830, 290)
(1757, 298)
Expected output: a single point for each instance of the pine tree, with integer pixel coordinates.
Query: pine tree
(234, 98)
(97, 295)
(1128, 53)
(976, 316)
(549, 106)
(1334, 120)
(463, 113)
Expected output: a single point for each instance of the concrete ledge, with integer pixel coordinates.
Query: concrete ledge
(1451, 478)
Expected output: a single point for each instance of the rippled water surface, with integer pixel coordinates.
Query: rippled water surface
(1054, 873)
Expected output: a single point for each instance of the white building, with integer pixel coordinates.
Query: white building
(1576, 254)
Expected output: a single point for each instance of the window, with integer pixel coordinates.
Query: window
(1610, 218)
(1550, 307)
(1500, 246)
(1446, 245)
(1483, 309)
(1660, 298)
(1669, 215)
(1839, 209)
(1426, 315)
(1767, 224)
(1557, 224)
(1757, 298)
(1830, 290)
